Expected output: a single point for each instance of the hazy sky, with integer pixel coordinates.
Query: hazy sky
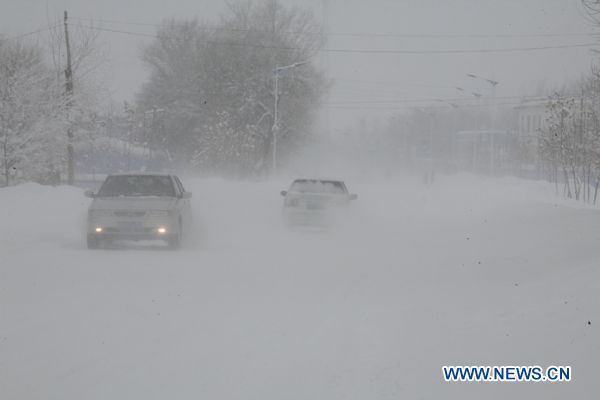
(368, 82)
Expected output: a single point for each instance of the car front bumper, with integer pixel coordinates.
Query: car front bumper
(142, 229)
(297, 216)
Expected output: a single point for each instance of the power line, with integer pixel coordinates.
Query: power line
(369, 51)
(462, 51)
(366, 34)
(22, 35)
(421, 100)
(410, 107)
(391, 83)
(152, 35)
(462, 36)
(395, 90)
(112, 21)
(215, 28)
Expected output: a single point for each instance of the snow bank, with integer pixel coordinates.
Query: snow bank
(34, 215)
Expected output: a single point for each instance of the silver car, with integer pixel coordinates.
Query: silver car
(315, 202)
(138, 207)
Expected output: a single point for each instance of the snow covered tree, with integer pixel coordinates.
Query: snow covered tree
(28, 113)
(556, 141)
(215, 85)
(570, 143)
(34, 116)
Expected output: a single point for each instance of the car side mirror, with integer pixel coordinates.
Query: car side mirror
(353, 196)
(89, 193)
(284, 193)
(186, 195)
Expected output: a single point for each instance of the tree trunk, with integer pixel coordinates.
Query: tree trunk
(589, 177)
(576, 183)
(596, 189)
(6, 167)
(555, 177)
(567, 187)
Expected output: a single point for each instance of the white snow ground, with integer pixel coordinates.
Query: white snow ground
(467, 271)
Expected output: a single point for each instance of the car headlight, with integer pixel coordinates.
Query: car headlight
(290, 202)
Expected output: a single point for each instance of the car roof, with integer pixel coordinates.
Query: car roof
(141, 173)
(319, 180)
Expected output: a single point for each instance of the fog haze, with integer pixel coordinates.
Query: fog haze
(357, 25)
(218, 199)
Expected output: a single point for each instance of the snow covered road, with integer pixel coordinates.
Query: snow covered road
(467, 271)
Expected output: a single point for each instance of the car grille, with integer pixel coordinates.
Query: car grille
(315, 206)
(129, 214)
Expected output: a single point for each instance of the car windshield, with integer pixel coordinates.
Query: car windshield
(137, 185)
(316, 186)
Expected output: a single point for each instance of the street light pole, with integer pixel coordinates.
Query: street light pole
(493, 83)
(275, 127)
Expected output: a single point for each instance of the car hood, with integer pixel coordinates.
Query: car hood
(133, 203)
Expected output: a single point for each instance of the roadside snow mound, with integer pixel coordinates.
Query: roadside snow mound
(41, 215)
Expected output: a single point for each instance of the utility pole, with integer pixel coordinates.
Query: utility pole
(492, 109)
(69, 104)
(325, 64)
(275, 117)
(431, 171)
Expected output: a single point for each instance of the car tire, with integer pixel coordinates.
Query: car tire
(174, 241)
(93, 242)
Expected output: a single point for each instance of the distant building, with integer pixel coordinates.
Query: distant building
(482, 150)
(531, 118)
(106, 155)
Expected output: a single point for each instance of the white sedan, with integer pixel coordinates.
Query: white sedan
(138, 207)
(315, 201)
